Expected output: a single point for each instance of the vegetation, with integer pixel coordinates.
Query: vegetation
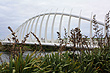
(95, 61)
(98, 61)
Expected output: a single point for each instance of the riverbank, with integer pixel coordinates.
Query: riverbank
(46, 48)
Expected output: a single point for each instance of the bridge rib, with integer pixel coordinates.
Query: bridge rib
(46, 28)
(52, 29)
(28, 27)
(31, 29)
(69, 23)
(24, 29)
(36, 25)
(61, 22)
(41, 27)
(17, 30)
(21, 33)
(79, 20)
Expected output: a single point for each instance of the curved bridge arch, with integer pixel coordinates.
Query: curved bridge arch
(20, 31)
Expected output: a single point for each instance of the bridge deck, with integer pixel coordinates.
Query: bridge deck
(50, 44)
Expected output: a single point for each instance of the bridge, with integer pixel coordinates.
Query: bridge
(49, 20)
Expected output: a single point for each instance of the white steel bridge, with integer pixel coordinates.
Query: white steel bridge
(47, 28)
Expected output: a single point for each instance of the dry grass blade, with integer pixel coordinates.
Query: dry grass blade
(61, 41)
(10, 28)
(37, 40)
(98, 33)
(25, 38)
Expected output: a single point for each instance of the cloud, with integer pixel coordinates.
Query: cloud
(13, 13)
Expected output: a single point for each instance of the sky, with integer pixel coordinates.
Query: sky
(14, 12)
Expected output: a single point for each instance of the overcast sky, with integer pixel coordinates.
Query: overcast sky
(14, 12)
